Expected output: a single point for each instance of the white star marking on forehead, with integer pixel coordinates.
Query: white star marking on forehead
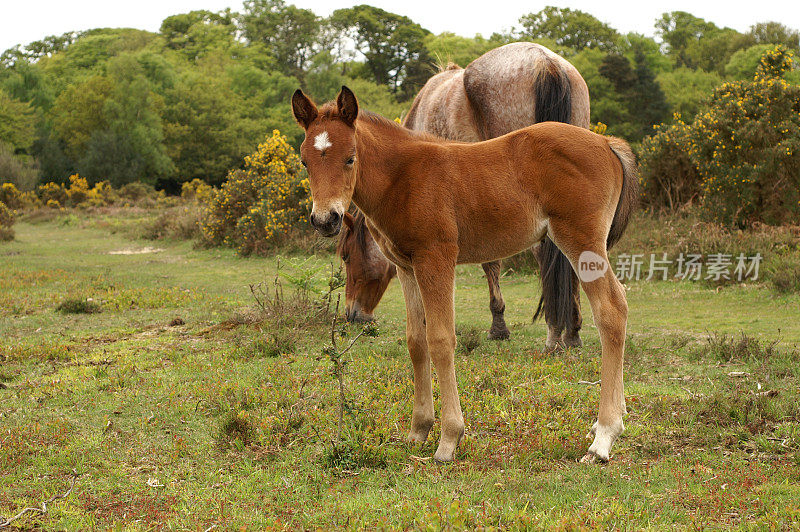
(322, 141)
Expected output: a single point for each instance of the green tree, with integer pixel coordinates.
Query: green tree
(644, 99)
(688, 90)
(775, 33)
(393, 45)
(569, 27)
(449, 47)
(744, 63)
(679, 31)
(198, 33)
(17, 124)
(287, 32)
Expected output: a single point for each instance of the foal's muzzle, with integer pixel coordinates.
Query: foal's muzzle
(329, 225)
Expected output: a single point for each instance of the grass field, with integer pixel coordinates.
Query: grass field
(170, 402)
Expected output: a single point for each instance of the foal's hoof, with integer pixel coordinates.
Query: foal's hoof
(592, 458)
(445, 455)
(499, 333)
(418, 436)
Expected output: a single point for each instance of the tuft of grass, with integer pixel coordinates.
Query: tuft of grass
(77, 305)
(352, 454)
(469, 339)
(785, 276)
(235, 430)
(727, 348)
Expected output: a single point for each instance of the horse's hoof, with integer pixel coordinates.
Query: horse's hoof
(499, 334)
(572, 342)
(553, 348)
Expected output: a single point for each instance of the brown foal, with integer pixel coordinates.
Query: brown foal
(507, 88)
(432, 203)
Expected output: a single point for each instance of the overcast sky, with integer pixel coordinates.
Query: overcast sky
(22, 22)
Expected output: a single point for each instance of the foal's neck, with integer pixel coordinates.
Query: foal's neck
(384, 151)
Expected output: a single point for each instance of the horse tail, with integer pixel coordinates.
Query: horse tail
(629, 195)
(553, 103)
(552, 93)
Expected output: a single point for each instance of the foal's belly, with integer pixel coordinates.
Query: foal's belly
(490, 245)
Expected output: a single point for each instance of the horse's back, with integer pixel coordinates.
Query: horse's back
(442, 108)
(500, 85)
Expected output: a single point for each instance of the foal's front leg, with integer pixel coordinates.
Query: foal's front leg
(422, 416)
(435, 275)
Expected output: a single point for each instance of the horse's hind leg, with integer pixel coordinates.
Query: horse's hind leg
(554, 340)
(499, 331)
(422, 417)
(572, 335)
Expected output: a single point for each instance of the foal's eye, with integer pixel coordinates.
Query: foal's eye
(303, 163)
(350, 161)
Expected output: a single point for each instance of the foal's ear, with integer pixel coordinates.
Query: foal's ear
(303, 108)
(348, 105)
(348, 220)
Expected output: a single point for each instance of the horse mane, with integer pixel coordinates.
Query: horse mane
(359, 232)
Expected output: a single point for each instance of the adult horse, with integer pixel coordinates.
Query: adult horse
(505, 89)
(431, 203)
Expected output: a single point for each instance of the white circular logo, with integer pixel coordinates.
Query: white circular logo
(591, 266)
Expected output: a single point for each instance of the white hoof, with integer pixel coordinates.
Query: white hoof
(604, 438)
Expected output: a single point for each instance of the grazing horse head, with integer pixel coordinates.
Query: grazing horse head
(368, 271)
(329, 154)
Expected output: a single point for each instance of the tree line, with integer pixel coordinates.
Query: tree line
(191, 100)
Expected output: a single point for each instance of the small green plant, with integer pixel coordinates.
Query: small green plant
(76, 305)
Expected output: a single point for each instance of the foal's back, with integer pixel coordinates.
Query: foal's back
(492, 195)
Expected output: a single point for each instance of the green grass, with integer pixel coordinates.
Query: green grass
(230, 421)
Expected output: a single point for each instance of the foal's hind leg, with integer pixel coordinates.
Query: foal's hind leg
(610, 311)
(422, 416)
(499, 331)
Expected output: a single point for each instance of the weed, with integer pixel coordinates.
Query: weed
(77, 305)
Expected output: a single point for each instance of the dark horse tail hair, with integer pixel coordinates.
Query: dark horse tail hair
(553, 103)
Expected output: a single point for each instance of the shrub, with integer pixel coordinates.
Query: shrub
(78, 190)
(256, 207)
(176, 222)
(747, 147)
(740, 156)
(30, 200)
(6, 221)
(19, 169)
(52, 194)
(11, 196)
(197, 190)
(669, 177)
(136, 191)
(101, 194)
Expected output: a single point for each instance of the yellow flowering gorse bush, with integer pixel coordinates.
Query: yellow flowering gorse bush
(256, 207)
(741, 156)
